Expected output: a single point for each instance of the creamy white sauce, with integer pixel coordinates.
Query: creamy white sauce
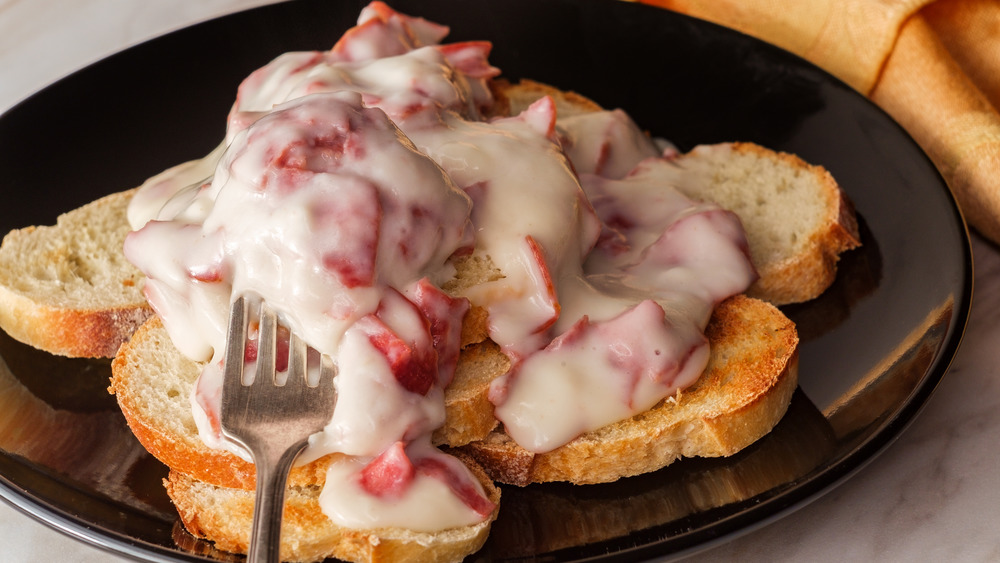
(606, 143)
(175, 186)
(284, 211)
(347, 182)
(530, 215)
(428, 505)
(607, 371)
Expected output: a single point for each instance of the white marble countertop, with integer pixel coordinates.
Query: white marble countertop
(934, 495)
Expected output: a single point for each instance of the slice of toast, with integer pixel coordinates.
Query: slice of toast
(797, 218)
(743, 393)
(224, 515)
(67, 288)
(153, 382)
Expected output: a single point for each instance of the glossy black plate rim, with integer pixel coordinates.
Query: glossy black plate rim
(763, 510)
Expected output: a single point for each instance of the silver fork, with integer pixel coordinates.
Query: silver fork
(272, 416)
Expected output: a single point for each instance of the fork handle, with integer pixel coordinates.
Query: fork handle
(273, 465)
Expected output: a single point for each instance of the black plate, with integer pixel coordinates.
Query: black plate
(875, 345)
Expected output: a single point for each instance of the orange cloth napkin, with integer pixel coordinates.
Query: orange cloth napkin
(934, 65)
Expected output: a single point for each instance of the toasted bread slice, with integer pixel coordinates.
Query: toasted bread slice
(743, 393)
(224, 515)
(153, 382)
(797, 218)
(67, 289)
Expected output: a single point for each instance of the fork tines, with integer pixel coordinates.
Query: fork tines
(300, 363)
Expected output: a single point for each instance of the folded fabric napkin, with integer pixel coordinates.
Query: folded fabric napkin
(933, 65)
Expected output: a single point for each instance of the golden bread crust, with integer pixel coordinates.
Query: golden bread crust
(75, 333)
(66, 288)
(804, 275)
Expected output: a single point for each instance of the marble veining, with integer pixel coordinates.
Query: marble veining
(932, 496)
